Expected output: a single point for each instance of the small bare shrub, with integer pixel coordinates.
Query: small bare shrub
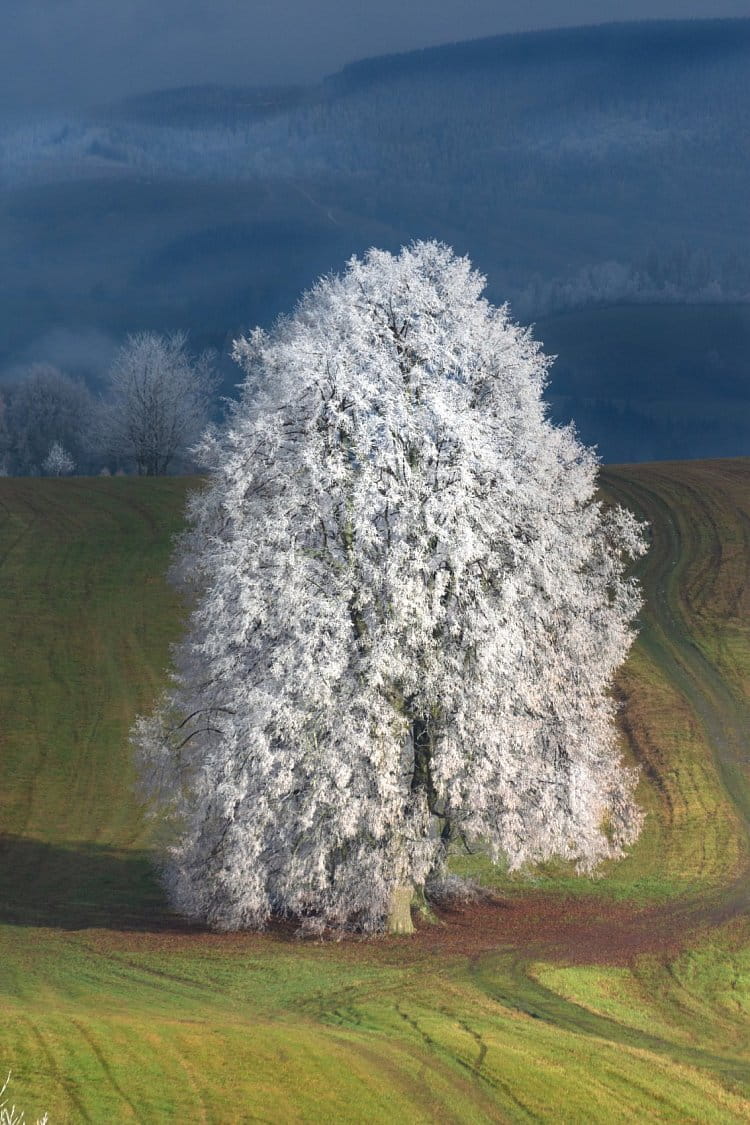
(9, 1115)
(452, 890)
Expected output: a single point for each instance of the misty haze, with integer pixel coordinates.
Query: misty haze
(597, 176)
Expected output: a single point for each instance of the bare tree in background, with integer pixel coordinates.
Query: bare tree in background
(159, 400)
(43, 407)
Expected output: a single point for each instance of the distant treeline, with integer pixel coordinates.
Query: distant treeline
(561, 161)
(578, 168)
(156, 402)
(680, 275)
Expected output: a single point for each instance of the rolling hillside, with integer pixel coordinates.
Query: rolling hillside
(619, 999)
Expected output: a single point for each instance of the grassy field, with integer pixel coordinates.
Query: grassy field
(620, 999)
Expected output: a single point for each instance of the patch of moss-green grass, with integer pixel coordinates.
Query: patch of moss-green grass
(700, 998)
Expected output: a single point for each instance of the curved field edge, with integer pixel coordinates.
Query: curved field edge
(615, 998)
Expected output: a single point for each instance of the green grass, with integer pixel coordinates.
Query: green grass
(619, 999)
(700, 998)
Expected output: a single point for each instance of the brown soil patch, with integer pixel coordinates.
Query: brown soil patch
(569, 930)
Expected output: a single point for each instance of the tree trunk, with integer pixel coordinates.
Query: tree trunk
(399, 917)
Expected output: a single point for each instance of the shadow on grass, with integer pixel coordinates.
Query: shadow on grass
(81, 886)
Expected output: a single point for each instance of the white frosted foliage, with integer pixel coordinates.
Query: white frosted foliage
(158, 404)
(58, 462)
(407, 608)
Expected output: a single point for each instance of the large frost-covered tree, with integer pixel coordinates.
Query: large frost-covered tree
(407, 609)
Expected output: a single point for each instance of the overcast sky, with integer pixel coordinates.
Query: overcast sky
(68, 52)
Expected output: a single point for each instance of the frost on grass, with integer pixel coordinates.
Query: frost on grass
(407, 607)
(9, 1114)
(448, 889)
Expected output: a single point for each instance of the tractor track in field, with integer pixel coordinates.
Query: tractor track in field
(106, 1067)
(724, 718)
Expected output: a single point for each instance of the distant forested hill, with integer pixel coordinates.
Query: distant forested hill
(581, 169)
